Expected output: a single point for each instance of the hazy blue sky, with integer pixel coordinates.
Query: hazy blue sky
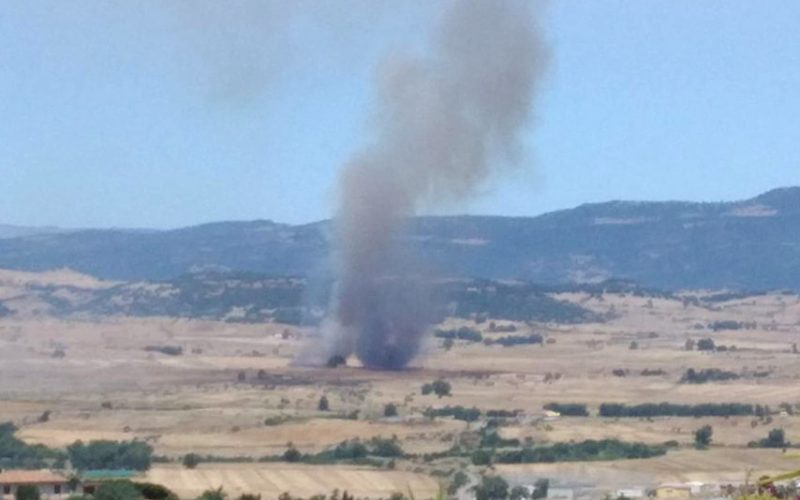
(168, 113)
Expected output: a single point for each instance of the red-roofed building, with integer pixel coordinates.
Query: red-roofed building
(50, 484)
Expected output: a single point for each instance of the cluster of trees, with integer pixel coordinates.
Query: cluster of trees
(513, 302)
(676, 410)
(732, 325)
(16, 454)
(508, 328)
(497, 488)
(463, 333)
(491, 439)
(513, 340)
(456, 412)
(692, 376)
(439, 387)
(132, 455)
(607, 449)
(354, 451)
(568, 409)
(776, 438)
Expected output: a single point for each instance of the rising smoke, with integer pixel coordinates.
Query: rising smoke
(444, 122)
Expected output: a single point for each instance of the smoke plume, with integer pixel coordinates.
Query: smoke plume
(443, 123)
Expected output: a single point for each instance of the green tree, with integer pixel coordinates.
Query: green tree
(441, 388)
(191, 460)
(540, 488)
(702, 437)
(117, 490)
(775, 439)
(27, 492)
(492, 488)
(323, 404)
(706, 344)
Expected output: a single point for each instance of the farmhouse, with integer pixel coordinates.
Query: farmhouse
(50, 485)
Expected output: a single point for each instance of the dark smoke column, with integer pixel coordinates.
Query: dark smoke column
(443, 123)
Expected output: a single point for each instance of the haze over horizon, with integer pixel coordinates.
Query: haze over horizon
(140, 117)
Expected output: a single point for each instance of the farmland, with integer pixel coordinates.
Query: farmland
(234, 395)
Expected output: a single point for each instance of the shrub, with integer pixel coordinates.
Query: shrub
(390, 410)
(323, 404)
(27, 492)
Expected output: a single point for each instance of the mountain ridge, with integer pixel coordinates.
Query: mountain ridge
(746, 244)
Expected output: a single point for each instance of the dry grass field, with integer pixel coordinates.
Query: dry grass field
(98, 381)
(302, 480)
